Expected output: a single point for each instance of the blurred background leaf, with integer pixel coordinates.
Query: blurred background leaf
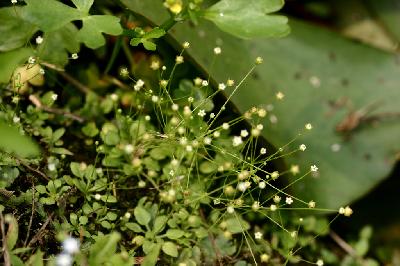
(324, 77)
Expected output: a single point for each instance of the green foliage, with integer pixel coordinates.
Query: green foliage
(249, 18)
(13, 141)
(145, 38)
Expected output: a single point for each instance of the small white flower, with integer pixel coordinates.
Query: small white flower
(262, 112)
(41, 71)
(54, 97)
(320, 262)
(164, 68)
(187, 111)
(154, 98)
(75, 56)
(262, 185)
(263, 151)
(16, 119)
(14, 2)
(186, 45)
(216, 201)
(51, 167)
(207, 140)
(280, 95)
(236, 141)
(289, 200)
(179, 59)
(221, 86)
(293, 234)
(255, 206)
(315, 81)
(260, 127)
(347, 211)
(216, 134)
(127, 215)
(314, 168)
(63, 259)
(230, 82)
(335, 147)
(163, 83)
(255, 132)
(190, 99)
(273, 207)
(230, 209)
(244, 133)
(212, 115)
(197, 81)
(114, 97)
(225, 126)
(189, 148)
(242, 186)
(259, 60)
(155, 65)
(175, 107)
(123, 72)
(39, 39)
(183, 141)
(294, 169)
(217, 50)
(171, 173)
(147, 118)
(128, 148)
(70, 245)
(277, 199)
(31, 60)
(308, 126)
(97, 196)
(311, 204)
(302, 147)
(274, 175)
(141, 184)
(204, 83)
(201, 113)
(258, 235)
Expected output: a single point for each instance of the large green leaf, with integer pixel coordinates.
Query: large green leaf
(20, 31)
(359, 73)
(12, 141)
(249, 18)
(49, 15)
(9, 61)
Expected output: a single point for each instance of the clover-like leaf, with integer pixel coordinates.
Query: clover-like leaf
(93, 28)
(249, 18)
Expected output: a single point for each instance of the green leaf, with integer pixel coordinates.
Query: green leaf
(154, 33)
(83, 5)
(15, 31)
(49, 15)
(12, 231)
(249, 18)
(12, 141)
(93, 27)
(36, 259)
(90, 129)
(134, 227)
(58, 44)
(151, 46)
(76, 169)
(170, 248)
(237, 225)
(152, 257)
(11, 60)
(142, 216)
(159, 223)
(103, 248)
(174, 233)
